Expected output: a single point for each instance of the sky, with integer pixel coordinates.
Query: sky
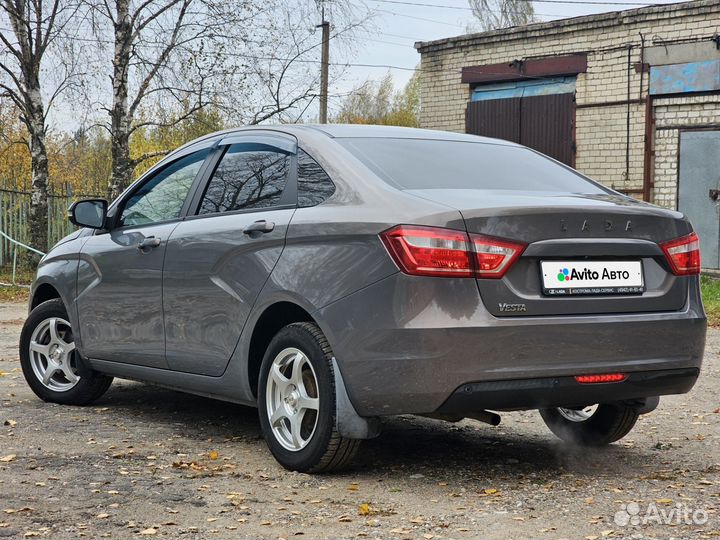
(400, 23)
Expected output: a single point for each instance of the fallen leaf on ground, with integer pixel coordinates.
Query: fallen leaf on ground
(344, 519)
(364, 509)
(8, 458)
(213, 455)
(490, 491)
(149, 532)
(103, 516)
(353, 486)
(11, 423)
(663, 501)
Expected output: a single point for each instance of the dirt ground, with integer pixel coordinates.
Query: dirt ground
(145, 461)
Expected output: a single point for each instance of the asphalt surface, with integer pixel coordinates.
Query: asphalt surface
(145, 461)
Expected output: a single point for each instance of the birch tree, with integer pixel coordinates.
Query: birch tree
(496, 14)
(255, 61)
(35, 28)
(166, 54)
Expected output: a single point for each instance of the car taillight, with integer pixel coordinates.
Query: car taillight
(683, 254)
(494, 256)
(602, 378)
(429, 251)
(433, 251)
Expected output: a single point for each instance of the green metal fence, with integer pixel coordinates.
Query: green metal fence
(14, 212)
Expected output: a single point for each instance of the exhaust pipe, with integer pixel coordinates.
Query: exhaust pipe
(486, 416)
(482, 416)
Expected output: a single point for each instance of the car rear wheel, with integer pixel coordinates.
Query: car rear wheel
(296, 402)
(50, 361)
(593, 425)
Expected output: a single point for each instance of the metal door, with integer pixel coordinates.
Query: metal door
(498, 118)
(699, 191)
(542, 122)
(546, 125)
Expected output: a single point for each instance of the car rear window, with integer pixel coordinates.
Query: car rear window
(428, 164)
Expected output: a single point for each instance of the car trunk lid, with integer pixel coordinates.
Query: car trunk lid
(562, 227)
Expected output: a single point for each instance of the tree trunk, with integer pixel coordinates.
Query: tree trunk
(122, 166)
(38, 218)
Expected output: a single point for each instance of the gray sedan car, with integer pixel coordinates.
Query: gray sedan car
(333, 275)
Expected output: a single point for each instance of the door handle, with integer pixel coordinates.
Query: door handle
(148, 243)
(714, 195)
(259, 227)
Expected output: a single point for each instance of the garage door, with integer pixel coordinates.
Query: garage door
(699, 190)
(538, 114)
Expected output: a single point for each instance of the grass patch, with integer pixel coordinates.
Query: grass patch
(14, 293)
(711, 299)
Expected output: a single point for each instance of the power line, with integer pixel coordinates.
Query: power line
(581, 2)
(420, 4)
(418, 18)
(602, 3)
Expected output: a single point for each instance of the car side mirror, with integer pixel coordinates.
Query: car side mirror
(88, 213)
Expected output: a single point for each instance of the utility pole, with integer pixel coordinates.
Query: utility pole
(324, 66)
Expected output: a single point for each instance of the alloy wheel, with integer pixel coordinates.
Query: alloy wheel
(52, 355)
(578, 415)
(292, 399)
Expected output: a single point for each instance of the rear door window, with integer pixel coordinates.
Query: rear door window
(249, 176)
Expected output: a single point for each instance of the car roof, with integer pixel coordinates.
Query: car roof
(347, 131)
(342, 131)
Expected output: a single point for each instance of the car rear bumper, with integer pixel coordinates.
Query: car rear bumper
(406, 345)
(565, 391)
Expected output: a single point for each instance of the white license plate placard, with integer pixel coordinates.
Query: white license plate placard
(591, 277)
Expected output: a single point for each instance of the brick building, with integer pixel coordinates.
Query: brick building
(620, 96)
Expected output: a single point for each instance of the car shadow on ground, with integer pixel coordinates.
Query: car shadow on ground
(423, 446)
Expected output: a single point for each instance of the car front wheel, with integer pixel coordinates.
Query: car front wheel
(49, 359)
(296, 402)
(593, 425)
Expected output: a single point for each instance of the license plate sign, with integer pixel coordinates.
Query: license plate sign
(591, 277)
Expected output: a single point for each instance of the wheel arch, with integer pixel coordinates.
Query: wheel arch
(42, 293)
(273, 318)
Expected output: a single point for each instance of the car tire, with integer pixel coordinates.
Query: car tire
(50, 361)
(609, 422)
(296, 402)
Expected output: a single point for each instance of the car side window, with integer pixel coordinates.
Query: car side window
(162, 197)
(314, 185)
(250, 175)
